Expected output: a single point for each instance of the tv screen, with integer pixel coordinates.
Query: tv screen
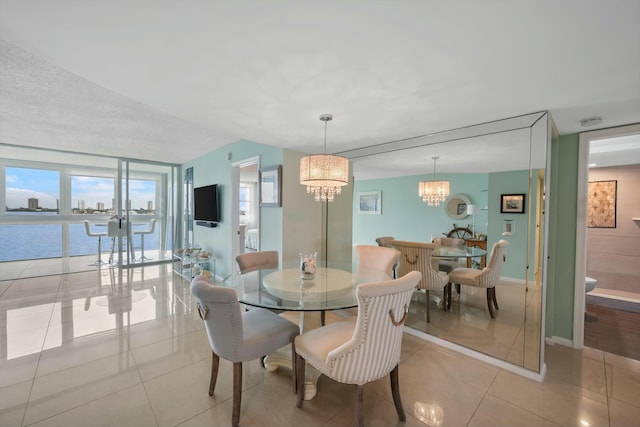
(205, 203)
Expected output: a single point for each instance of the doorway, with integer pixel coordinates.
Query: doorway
(598, 161)
(246, 210)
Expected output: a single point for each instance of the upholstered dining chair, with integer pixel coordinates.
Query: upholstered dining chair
(252, 261)
(416, 256)
(377, 258)
(385, 241)
(487, 278)
(358, 351)
(239, 336)
(372, 258)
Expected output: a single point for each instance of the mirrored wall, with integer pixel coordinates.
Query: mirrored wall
(486, 165)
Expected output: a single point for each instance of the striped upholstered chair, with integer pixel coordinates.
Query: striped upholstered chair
(416, 256)
(367, 348)
(487, 278)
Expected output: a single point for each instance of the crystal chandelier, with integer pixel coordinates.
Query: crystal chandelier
(433, 192)
(324, 174)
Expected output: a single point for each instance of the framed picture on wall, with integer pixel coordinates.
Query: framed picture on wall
(601, 204)
(271, 187)
(370, 202)
(512, 203)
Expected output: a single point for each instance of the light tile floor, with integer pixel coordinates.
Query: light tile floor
(125, 347)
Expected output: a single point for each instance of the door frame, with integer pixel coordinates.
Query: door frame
(235, 205)
(581, 223)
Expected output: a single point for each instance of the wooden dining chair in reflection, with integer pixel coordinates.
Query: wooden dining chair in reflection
(487, 278)
(239, 336)
(365, 350)
(416, 256)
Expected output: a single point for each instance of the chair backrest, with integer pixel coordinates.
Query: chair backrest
(496, 260)
(385, 241)
(452, 242)
(374, 349)
(252, 261)
(416, 256)
(152, 226)
(377, 258)
(87, 227)
(220, 310)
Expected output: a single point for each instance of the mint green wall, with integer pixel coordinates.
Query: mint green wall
(513, 182)
(406, 217)
(214, 168)
(562, 236)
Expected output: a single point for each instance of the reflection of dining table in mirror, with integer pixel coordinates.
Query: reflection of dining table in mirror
(331, 288)
(469, 253)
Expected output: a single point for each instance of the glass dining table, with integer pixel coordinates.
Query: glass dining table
(331, 288)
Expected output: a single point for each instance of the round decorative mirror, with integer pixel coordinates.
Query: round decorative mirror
(456, 206)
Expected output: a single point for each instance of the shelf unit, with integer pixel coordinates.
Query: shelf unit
(189, 266)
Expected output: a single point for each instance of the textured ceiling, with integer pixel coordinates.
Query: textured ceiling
(170, 81)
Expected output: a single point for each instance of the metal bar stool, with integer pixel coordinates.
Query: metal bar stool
(148, 230)
(99, 235)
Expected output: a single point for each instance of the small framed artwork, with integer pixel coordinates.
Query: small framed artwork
(271, 187)
(601, 204)
(369, 202)
(462, 208)
(512, 203)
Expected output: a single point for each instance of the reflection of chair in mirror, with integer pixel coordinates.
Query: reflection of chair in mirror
(385, 241)
(365, 350)
(448, 265)
(416, 256)
(149, 230)
(239, 336)
(99, 235)
(487, 278)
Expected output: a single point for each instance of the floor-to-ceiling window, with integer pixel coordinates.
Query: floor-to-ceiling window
(48, 196)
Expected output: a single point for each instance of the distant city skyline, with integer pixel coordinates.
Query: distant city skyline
(23, 184)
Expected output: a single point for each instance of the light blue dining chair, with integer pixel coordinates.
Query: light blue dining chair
(239, 336)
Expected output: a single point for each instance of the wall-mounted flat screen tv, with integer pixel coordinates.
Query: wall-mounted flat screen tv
(205, 203)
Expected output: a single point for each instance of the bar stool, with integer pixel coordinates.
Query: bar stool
(99, 235)
(148, 230)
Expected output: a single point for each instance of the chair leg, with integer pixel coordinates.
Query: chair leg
(300, 362)
(237, 393)
(322, 317)
(427, 303)
(490, 303)
(215, 362)
(359, 405)
(449, 286)
(495, 301)
(294, 372)
(395, 391)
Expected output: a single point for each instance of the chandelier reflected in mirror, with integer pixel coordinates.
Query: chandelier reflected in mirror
(433, 192)
(324, 174)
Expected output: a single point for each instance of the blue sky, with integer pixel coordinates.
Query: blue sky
(23, 183)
